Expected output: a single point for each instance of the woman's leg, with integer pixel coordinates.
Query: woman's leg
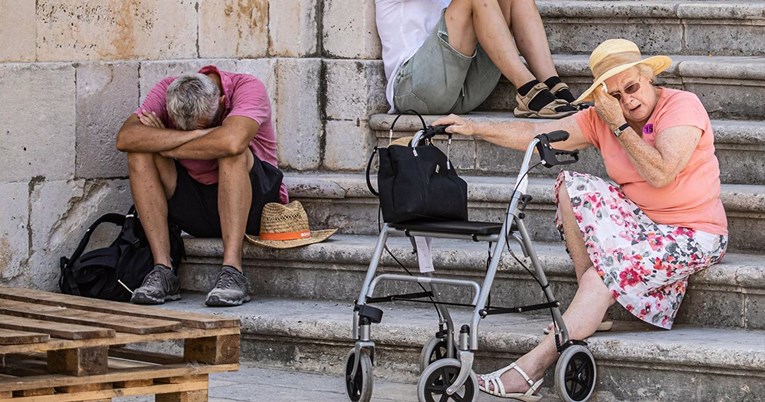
(582, 317)
(572, 234)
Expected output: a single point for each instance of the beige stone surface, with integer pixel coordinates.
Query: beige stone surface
(293, 28)
(17, 32)
(116, 29)
(14, 241)
(299, 128)
(106, 95)
(38, 115)
(233, 28)
(60, 211)
(349, 29)
(348, 144)
(355, 89)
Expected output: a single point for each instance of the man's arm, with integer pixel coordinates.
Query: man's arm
(517, 134)
(135, 136)
(232, 137)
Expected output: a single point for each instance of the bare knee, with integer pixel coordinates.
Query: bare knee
(237, 161)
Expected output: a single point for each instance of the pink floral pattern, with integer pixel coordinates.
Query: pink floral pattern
(645, 265)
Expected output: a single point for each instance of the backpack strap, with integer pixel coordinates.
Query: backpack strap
(116, 219)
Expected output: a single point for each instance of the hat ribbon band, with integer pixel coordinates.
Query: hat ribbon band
(303, 234)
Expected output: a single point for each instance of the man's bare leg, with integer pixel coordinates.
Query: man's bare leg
(152, 183)
(531, 38)
(234, 201)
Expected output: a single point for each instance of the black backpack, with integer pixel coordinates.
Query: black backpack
(108, 273)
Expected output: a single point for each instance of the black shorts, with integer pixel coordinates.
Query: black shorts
(194, 206)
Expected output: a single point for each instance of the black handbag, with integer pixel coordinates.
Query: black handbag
(418, 182)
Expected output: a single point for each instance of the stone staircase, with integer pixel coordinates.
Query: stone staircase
(301, 315)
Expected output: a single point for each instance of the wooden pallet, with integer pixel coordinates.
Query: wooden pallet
(58, 348)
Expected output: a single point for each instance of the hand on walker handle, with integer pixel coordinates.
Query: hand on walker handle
(457, 125)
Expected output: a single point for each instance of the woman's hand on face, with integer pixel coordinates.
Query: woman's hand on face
(608, 108)
(457, 125)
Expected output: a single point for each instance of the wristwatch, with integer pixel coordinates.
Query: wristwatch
(619, 130)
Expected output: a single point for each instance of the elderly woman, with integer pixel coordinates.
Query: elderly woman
(637, 238)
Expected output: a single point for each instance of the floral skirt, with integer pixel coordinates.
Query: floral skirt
(645, 265)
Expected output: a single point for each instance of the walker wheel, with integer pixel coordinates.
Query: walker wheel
(441, 374)
(358, 386)
(434, 350)
(575, 374)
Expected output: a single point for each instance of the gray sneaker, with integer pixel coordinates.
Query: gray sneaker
(159, 286)
(230, 289)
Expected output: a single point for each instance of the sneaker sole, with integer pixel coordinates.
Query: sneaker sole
(140, 298)
(215, 301)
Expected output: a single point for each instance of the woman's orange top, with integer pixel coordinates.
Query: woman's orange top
(693, 198)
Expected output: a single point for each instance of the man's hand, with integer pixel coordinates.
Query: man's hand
(150, 119)
(608, 108)
(457, 125)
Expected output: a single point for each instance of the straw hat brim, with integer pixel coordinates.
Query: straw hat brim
(657, 64)
(316, 237)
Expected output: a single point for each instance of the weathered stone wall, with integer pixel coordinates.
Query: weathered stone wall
(71, 71)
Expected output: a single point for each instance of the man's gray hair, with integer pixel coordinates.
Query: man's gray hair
(192, 97)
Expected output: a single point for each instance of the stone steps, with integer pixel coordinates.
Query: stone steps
(729, 294)
(634, 362)
(739, 145)
(342, 200)
(729, 28)
(730, 87)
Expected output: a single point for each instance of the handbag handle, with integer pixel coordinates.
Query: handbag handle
(369, 167)
(374, 151)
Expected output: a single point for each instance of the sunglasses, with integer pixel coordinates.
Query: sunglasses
(629, 90)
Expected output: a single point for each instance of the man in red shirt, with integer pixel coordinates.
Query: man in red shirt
(201, 153)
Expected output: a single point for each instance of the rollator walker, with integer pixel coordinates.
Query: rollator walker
(446, 360)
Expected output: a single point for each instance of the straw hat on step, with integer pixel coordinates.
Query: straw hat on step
(614, 56)
(286, 226)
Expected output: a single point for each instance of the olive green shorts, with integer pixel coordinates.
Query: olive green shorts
(439, 80)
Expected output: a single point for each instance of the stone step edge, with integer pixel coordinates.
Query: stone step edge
(737, 273)
(749, 12)
(749, 133)
(738, 198)
(728, 350)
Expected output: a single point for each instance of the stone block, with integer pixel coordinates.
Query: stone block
(17, 38)
(263, 69)
(38, 134)
(355, 89)
(116, 29)
(652, 36)
(233, 28)
(344, 19)
(14, 231)
(348, 144)
(293, 28)
(299, 128)
(154, 71)
(60, 211)
(107, 93)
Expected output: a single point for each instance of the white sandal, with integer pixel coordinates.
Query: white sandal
(498, 388)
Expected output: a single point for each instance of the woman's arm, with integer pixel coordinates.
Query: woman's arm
(516, 134)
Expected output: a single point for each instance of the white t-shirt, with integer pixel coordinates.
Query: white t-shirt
(403, 26)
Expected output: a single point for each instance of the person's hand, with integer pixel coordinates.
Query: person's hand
(608, 108)
(150, 119)
(457, 125)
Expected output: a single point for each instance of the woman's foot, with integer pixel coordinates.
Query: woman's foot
(535, 100)
(604, 326)
(510, 382)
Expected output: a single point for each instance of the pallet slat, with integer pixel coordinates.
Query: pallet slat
(190, 320)
(57, 329)
(117, 322)
(13, 337)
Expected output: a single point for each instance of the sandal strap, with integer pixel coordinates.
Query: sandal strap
(559, 86)
(522, 373)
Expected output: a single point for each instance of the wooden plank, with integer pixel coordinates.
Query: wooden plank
(191, 320)
(144, 356)
(114, 393)
(185, 396)
(13, 337)
(79, 362)
(132, 374)
(212, 350)
(118, 322)
(57, 329)
(119, 339)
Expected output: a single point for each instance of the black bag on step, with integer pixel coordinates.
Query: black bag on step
(418, 182)
(108, 273)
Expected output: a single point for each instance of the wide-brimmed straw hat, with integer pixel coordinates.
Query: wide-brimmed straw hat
(614, 56)
(286, 226)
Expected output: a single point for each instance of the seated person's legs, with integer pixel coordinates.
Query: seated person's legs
(152, 180)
